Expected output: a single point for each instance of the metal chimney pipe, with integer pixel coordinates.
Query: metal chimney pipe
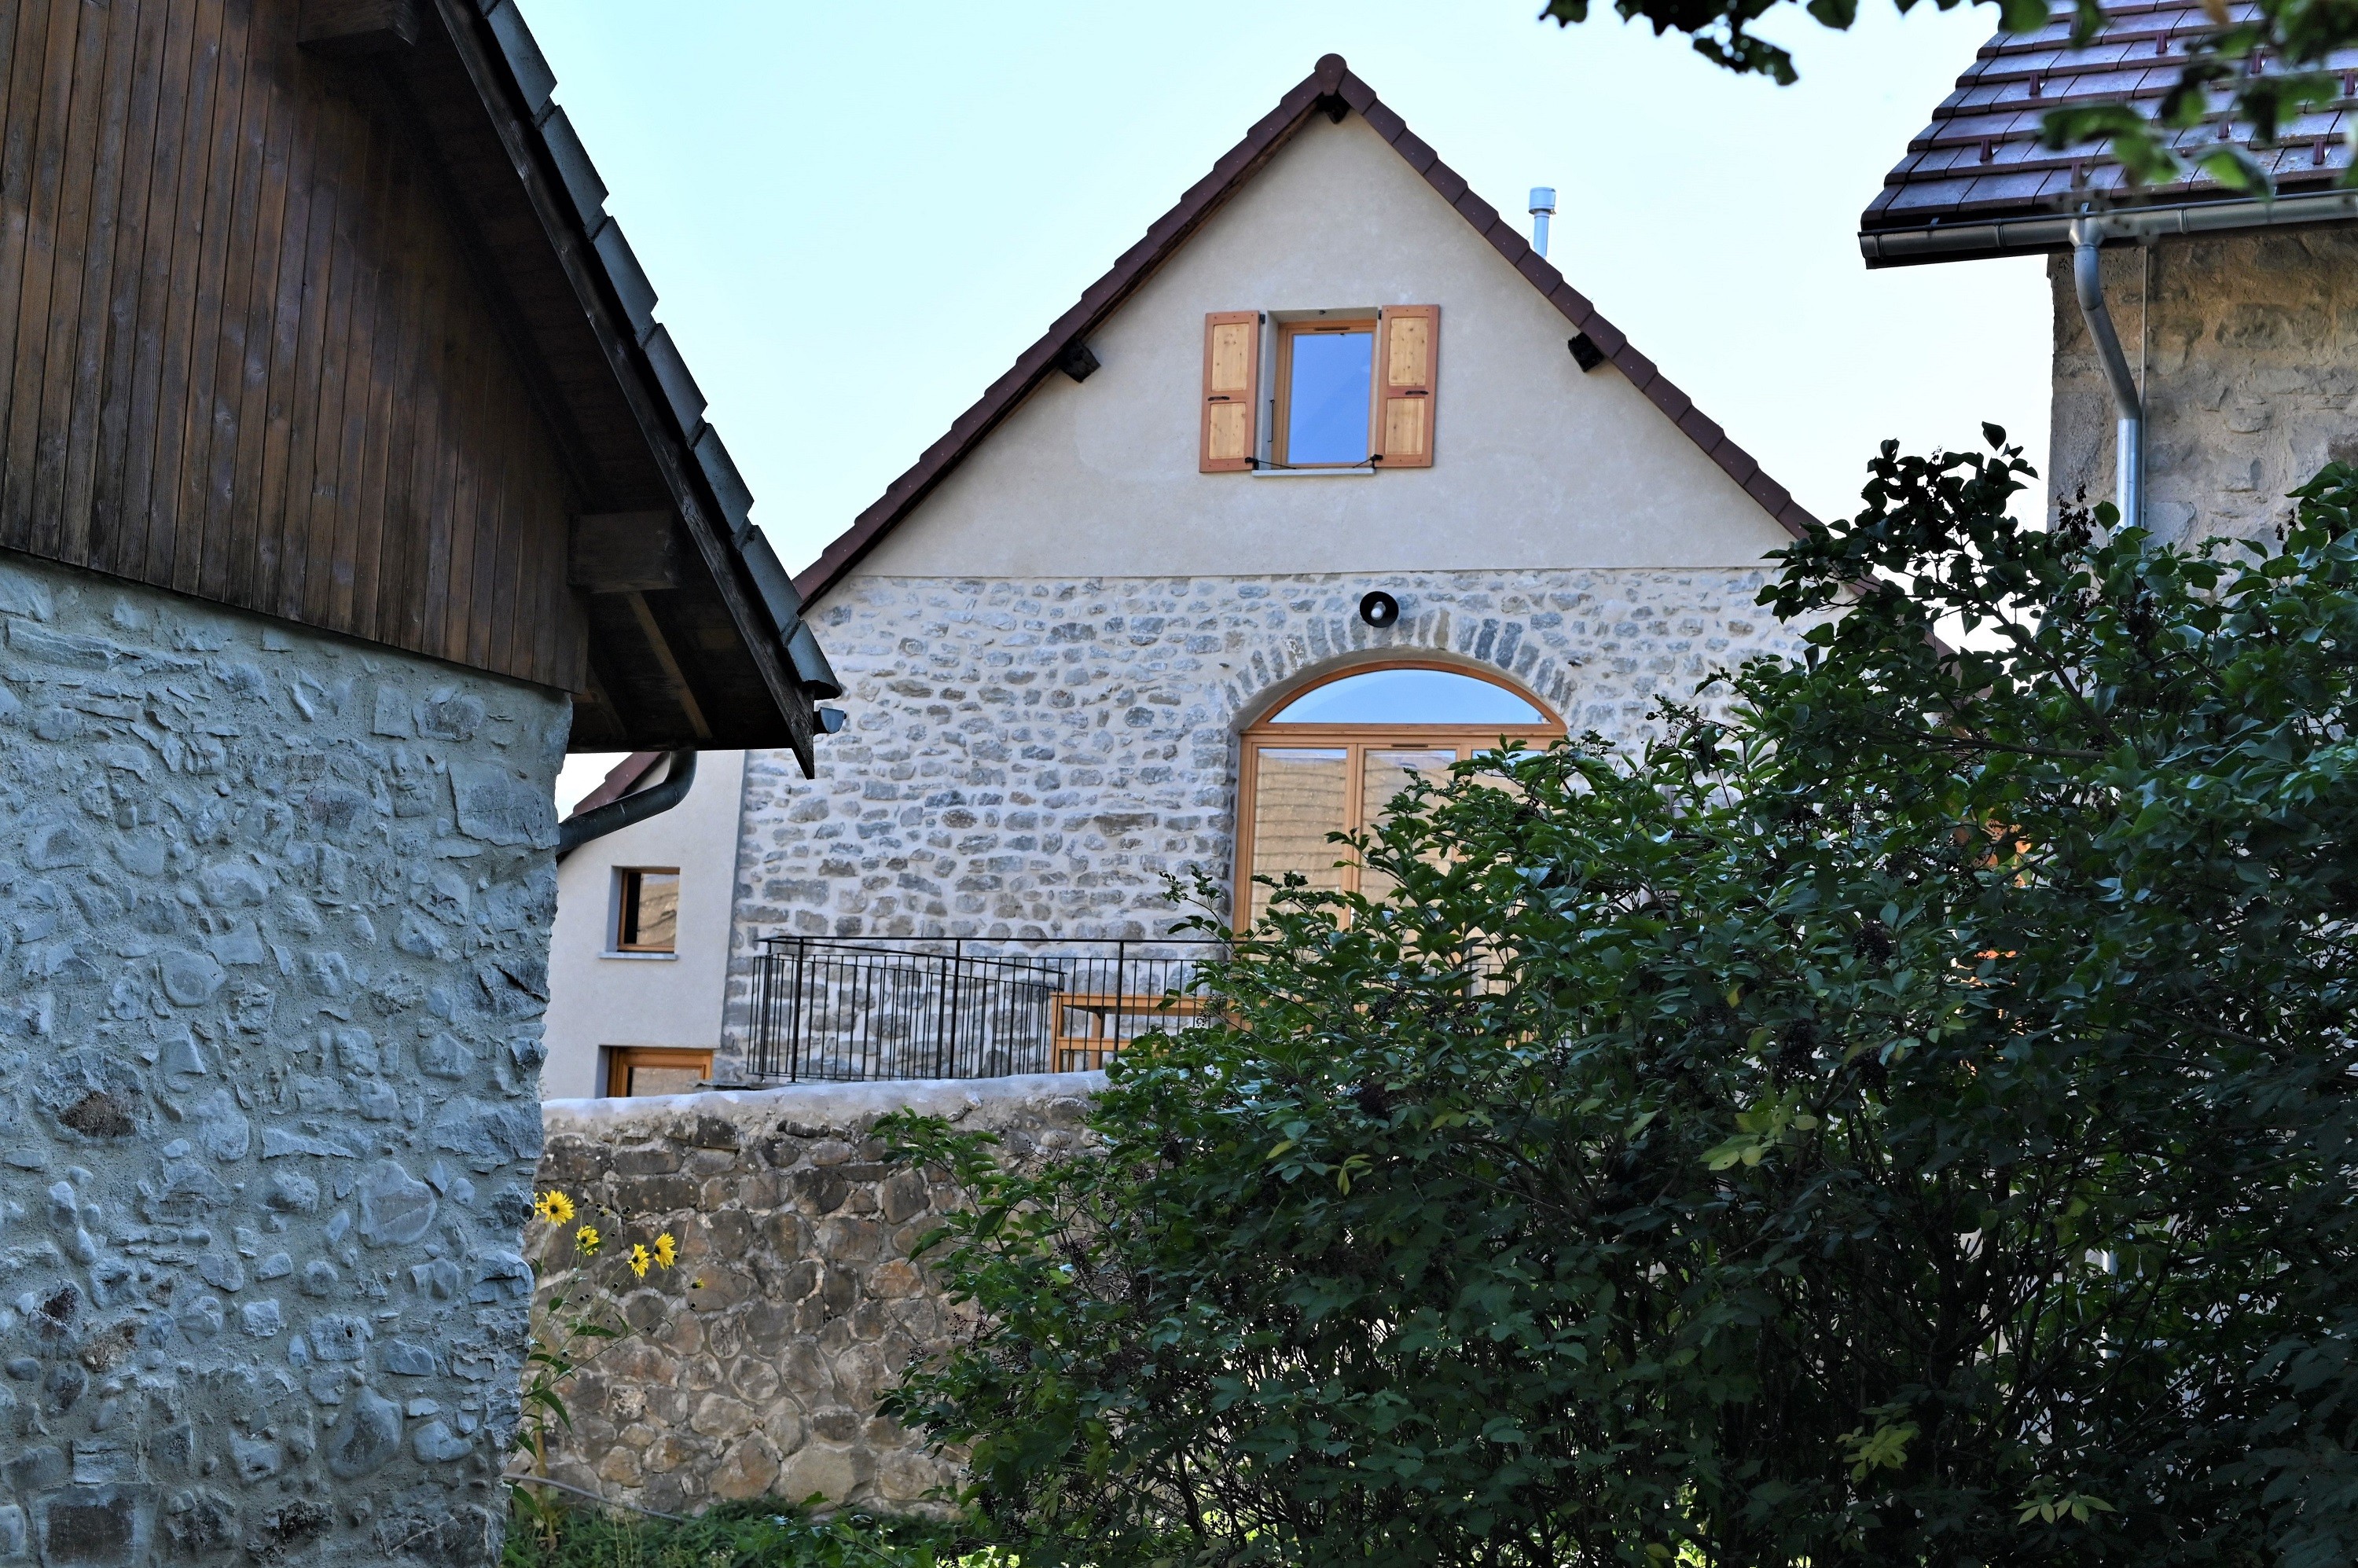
(1542, 209)
(2088, 282)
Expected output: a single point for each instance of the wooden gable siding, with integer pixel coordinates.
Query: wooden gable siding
(245, 354)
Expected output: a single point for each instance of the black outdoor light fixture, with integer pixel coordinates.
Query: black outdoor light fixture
(1379, 610)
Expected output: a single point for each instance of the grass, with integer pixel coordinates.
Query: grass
(764, 1533)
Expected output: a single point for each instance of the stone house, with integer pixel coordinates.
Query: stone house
(2236, 318)
(346, 480)
(1332, 477)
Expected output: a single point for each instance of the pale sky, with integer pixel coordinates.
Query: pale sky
(856, 216)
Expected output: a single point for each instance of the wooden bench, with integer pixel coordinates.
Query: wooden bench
(1088, 1026)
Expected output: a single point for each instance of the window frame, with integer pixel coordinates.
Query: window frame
(627, 886)
(1282, 394)
(1355, 740)
(621, 1059)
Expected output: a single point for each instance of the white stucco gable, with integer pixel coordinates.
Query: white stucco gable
(1537, 464)
(1328, 203)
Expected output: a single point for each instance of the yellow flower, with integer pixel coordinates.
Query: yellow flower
(587, 1241)
(666, 1250)
(553, 1206)
(639, 1262)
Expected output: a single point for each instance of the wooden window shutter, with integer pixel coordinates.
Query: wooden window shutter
(1407, 360)
(1231, 385)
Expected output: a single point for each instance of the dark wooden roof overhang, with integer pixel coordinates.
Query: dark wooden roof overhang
(696, 635)
(1977, 181)
(1331, 91)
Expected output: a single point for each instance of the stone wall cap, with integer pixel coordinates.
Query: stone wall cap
(824, 1104)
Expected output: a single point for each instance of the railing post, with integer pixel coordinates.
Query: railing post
(797, 1026)
(757, 1018)
(946, 1023)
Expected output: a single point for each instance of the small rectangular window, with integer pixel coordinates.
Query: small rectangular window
(1348, 387)
(647, 913)
(635, 1070)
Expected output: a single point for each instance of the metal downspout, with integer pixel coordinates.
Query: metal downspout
(2087, 278)
(680, 776)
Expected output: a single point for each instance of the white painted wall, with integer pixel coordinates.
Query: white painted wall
(1535, 463)
(599, 998)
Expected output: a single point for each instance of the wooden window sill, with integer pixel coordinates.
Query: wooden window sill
(1312, 473)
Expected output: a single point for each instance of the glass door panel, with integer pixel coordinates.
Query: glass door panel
(1300, 795)
(1384, 773)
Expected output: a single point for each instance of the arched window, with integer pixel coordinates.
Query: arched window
(1328, 758)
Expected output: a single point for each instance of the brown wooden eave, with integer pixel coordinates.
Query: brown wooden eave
(704, 664)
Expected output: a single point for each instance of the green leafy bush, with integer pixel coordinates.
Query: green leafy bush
(760, 1534)
(1909, 1124)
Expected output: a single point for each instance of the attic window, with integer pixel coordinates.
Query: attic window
(1340, 390)
(1326, 385)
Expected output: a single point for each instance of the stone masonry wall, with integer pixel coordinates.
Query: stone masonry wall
(757, 1362)
(2251, 379)
(1031, 758)
(274, 924)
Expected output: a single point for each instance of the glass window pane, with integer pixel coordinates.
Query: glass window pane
(1327, 403)
(1411, 696)
(650, 911)
(1298, 799)
(1385, 773)
(666, 1080)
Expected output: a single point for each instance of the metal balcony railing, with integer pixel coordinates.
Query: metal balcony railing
(865, 1007)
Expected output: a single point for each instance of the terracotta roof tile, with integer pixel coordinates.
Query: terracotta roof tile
(1701, 428)
(1735, 460)
(1393, 129)
(1767, 491)
(1605, 335)
(1573, 305)
(1445, 179)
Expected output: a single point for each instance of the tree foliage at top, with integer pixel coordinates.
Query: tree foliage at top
(1908, 1122)
(2219, 71)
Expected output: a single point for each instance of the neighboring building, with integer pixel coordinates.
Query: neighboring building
(1074, 635)
(345, 481)
(2238, 317)
(639, 959)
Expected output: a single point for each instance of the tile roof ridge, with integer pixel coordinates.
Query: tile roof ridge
(1330, 80)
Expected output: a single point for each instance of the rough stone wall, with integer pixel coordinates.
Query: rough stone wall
(1031, 757)
(2251, 379)
(758, 1361)
(274, 917)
